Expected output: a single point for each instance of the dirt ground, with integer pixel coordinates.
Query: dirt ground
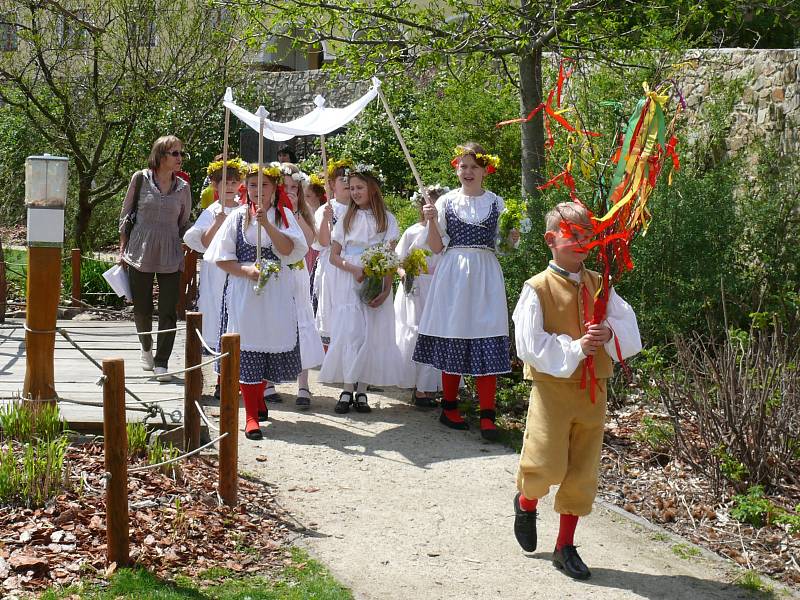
(398, 507)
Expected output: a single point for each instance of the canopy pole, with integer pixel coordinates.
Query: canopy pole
(324, 163)
(260, 179)
(221, 193)
(400, 139)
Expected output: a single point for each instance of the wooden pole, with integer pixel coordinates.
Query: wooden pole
(76, 276)
(324, 157)
(261, 118)
(229, 419)
(3, 284)
(115, 442)
(193, 382)
(42, 295)
(400, 139)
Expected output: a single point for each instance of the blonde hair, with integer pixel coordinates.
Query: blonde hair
(160, 148)
(571, 212)
(376, 203)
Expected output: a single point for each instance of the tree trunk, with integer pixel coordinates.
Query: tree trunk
(83, 216)
(530, 92)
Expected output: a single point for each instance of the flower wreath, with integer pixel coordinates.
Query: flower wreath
(417, 198)
(491, 162)
(273, 170)
(315, 179)
(369, 170)
(231, 163)
(337, 164)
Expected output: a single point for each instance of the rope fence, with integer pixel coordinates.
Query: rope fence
(183, 456)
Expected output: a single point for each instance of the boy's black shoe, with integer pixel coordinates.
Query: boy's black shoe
(567, 560)
(524, 526)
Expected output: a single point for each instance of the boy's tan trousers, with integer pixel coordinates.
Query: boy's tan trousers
(562, 443)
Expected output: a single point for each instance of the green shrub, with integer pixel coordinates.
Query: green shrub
(25, 421)
(137, 439)
(753, 507)
(658, 434)
(158, 453)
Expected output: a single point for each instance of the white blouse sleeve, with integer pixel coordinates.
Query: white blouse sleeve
(621, 319)
(223, 246)
(337, 233)
(317, 224)
(402, 249)
(441, 223)
(193, 236)
(392, 228)
(556, 355)
(297, 236)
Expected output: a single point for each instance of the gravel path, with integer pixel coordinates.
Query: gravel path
(398, 507)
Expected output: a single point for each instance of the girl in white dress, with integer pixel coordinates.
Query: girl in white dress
(363, 347)
(325, 220)
(199, 237)
(464, 326)
(408, 306)
(311, 350)
(267, 320)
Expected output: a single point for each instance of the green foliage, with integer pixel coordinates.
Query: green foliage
(658, 434)
(751, 580)
(302, 579)
(731, 469)
(685, 551)
(137, 438)
(26, 422)
(157, 453)
(33, 475)
(753, 507)
(406, 213)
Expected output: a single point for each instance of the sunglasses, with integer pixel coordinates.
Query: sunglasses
(177, 153)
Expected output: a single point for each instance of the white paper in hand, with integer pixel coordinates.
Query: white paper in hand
(117, 278)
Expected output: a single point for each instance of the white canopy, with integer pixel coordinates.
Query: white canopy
(320, 121)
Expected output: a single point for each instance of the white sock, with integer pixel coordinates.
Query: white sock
(348, 387)
(302, 380)
(362, 387)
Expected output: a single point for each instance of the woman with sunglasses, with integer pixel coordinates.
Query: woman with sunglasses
(152, 223)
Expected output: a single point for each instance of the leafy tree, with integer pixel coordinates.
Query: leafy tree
(99, 84)
(391, 37)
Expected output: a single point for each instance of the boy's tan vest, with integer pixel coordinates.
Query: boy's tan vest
(561, 301)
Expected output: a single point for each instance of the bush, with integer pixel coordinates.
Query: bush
(26, 422)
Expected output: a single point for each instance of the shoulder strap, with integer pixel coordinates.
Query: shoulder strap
(137, 189)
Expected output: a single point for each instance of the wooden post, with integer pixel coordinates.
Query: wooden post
(115, 443)
(41, 312)
(3, 284)
(76, 277)
(229, 419)
(193, 382)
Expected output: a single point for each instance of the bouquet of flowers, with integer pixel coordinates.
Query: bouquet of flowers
(515, 216)
(378, 261)
(414, 264)
(300, 264)
(266, 269)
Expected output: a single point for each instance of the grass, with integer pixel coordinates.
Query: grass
(685, 551)
(751, 581)
(303, 579)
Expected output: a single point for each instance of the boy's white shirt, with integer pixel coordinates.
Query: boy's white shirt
(559, 355)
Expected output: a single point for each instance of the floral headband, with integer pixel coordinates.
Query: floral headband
(338, 164)
(369, 170)
(273, 170)
(231, 163)
(491, 162)
(436, 188)
(315, 179)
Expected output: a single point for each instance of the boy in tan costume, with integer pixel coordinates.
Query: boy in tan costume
(564, 428)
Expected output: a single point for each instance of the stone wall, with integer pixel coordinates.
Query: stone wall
(769, 105)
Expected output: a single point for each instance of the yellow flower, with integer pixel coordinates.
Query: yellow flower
(272, 170)
(231, 163)
(336, 164)
(316, 180)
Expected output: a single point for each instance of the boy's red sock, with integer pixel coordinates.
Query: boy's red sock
(566, 531)
(487, 387)
(253, 396)
(528, 504)
(450, 383)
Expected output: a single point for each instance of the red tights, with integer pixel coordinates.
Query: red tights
(487, 387)
(253, 396)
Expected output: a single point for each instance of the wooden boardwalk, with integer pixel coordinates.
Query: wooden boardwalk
(75, 376)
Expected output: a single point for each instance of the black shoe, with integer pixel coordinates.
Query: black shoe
(524, 526)
(255, 434)
(567, 560)
(263, 416)
(458, 425)
(274, 398)
(343, 405)
(423, 401)
(491, 434)
(361, 403)
(303, 402)
(216, 392)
